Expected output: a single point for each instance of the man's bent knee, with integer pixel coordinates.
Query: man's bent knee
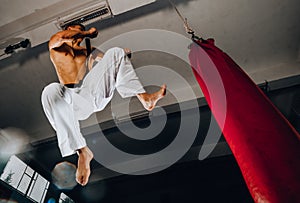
(115, 51)
(52, 91)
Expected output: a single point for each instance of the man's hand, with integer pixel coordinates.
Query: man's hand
(93, 33)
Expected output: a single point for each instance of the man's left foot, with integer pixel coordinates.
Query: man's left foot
(85, 156)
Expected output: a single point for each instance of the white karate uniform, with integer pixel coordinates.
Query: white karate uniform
(64, 106)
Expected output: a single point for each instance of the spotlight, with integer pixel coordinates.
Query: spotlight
(12, 141)
(63, 176)
(11, 48)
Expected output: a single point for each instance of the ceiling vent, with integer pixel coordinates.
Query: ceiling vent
(40, 25)
(86, 16)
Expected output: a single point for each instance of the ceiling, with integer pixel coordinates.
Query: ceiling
(261, 36)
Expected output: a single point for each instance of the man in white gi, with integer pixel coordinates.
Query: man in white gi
(84, 89)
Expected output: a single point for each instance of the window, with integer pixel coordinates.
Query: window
(65, 199)
(23, 178)
(38, 188)
(13, 172)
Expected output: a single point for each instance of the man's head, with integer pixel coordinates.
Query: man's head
(74, 25)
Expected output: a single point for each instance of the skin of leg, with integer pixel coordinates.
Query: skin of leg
(149, 100)
(85, 156)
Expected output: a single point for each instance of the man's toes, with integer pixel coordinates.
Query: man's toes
(84, 182)
(150, 108)
(164, 88)
(81, 182)
(78, 180)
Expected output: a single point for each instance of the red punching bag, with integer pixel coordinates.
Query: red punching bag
(265, 145)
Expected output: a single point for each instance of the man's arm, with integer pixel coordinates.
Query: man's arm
(69, 36)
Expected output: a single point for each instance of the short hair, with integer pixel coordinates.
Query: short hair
(73, 24)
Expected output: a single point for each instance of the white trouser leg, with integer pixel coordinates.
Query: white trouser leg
(64, 106)
(61, 116)
(114, 71)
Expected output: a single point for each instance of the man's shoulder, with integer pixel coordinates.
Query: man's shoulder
(55, 40)
(56, 36)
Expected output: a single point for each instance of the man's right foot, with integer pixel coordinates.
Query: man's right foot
(149, 100)
(127, 52)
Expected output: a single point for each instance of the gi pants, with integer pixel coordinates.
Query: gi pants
(64, 106)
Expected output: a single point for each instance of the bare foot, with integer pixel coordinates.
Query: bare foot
(149, 100)
(127, 52)
(85, 155)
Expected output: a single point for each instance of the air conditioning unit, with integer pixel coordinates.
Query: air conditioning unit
(40, 25)
(102, 10)
(86, 16)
